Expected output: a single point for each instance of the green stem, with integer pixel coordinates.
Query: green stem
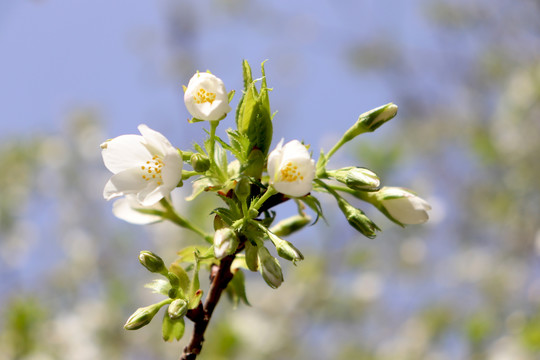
(269, 192)
(213, 126)
(173, 216)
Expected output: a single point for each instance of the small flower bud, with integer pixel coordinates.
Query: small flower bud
(142, 316)
(177, 308)
(269, 268)
(288, 226)
(251, 256)
(152, 262)
(371, 120)
(285, 249)
(357, 219)
(200, 162)
(243, 189)
(225, 242)
(357, 178)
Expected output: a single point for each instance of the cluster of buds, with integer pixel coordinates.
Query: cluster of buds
(147, 168)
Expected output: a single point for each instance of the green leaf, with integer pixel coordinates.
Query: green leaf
(237, 288)
(194, 295)
(159, 286)
(314, 205)
(183, 277)
(172, 329)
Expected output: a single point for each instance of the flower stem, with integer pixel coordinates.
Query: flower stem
(269, 192)
(172, 215)
(213, 126)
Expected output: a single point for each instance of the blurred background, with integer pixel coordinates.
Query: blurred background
(466, 77)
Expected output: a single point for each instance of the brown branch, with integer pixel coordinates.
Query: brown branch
(220, 276)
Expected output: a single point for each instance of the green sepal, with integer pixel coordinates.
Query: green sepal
(236, 290)
(172, 329)
(230, 95)
(253, 116)
(194, 120)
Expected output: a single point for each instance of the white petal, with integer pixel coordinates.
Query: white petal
(124, 152)
(125, 209)
(151, 195)
(155, 141)
(127, 182)
(402, 210)
(274, 160)
(171, 173)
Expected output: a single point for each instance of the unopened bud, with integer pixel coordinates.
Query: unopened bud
(177, 308)
(285, 249)
(402, 206)
(200, 162)
(243, 189)
(357, 178)
(371, 120)
(269, 268)
(152, 262)
(251, 256)
(357, 219)
(288, 226)
(225, 242)
(142, 316)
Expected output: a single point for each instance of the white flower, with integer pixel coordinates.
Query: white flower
(130, 210)
(206, 98)
(146, 166)
(291, 169)
(404, 206)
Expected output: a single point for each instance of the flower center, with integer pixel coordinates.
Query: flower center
(152, 170)
(203, 96)
(290, 173)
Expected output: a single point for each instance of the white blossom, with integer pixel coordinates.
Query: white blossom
(146, 166)
(206, 98)
(291, 169)
(130, 210)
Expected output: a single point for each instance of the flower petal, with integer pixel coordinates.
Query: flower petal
(125, 182)
(126, 209)
(151, 194)
(124, 152)
(155, 142)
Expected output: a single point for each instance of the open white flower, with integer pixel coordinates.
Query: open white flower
(291, 169)
(130, 210)
(146, 166)
(206, 98)
(403, 206)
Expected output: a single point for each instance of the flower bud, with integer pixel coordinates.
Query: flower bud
(152, 262)
(402, 206)
(371, 120)
(225, 242)
(142, 316)
(285, 249)
(288, 226)
(177, 308)
(251, 256)
(357, 219)
(243, 189)
(200, 162)
(357, 178)
(205, 97)
(269, 268)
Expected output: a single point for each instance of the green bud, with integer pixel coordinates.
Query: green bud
(152, 262)
(243, 189)
(357, 178)
(225, 242)
(142, 316)
(269, 268)
(251, 256)
(357, 219)
(371, 120)
(177, 308)
(173, 279)
(288, 226)
(200, 162)
(285, 249)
